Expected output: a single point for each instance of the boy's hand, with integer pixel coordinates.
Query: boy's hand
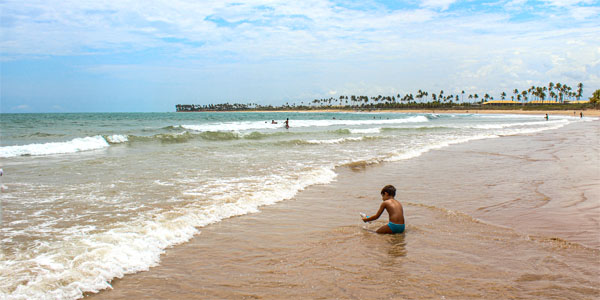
(364, 217)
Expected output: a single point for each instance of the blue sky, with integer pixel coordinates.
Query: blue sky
(96, 56)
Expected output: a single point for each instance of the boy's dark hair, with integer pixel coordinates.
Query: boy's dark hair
(390, 189)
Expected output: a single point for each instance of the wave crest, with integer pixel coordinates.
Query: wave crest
(72, 146)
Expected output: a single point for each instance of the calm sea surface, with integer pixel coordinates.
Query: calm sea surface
(90, 197)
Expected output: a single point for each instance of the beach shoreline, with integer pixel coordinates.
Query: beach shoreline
(313, 245)
(575, 113)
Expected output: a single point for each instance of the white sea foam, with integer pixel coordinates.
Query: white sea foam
(366, 130)
(459, 140)
(87, 262)
(515, 131)
(335, 141)
(117, 139)
(254, 125)
(513, 116)
(72, 146)
(337, 122)
(412, 153)
(232, 126)
(505, 125)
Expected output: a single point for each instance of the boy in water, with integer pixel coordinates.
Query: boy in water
(394, 209)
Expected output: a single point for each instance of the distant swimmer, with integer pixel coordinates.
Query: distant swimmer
(3, 188)
(546, 117)
(287, 123)
(394, 209)
(273, 122)
(581, 115)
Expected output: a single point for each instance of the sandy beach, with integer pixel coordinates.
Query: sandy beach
(587, 112)
(515, 217)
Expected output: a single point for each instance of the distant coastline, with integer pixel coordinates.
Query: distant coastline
(566, 110)
(554, 97)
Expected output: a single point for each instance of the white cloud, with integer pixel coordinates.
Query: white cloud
(568, 3)
(515, 4)
(371, 50)
(20, 107)
(437, 4)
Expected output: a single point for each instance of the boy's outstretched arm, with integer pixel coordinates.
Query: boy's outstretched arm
(377, 215)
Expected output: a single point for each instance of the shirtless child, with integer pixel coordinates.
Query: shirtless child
(394, 209)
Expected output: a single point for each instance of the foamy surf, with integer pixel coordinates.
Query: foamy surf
(257, 125)
(117, 139)
(335, 141)
(366, 130)
(529, 124)
(72, 146)
(67, 269)
(169, 181)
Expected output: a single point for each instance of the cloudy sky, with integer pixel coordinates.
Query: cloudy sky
(104, 56)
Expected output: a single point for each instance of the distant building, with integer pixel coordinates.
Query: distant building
(502, 102)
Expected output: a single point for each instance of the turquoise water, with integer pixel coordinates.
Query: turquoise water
(89, 197)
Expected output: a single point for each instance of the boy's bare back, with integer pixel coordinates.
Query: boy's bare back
(394, 209)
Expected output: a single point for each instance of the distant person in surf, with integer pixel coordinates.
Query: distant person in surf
(394, 209)
(287, 123)
(581, 115)
(273, 122)
(546, 117)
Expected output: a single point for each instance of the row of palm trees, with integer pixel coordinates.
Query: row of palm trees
(553, 93)
(214, 107)
(558, 93)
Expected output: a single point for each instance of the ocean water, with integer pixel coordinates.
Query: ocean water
(87, 198)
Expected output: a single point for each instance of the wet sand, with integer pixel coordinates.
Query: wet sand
(511, 217)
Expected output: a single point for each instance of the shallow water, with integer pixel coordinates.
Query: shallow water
(91, 197)
(315, 247)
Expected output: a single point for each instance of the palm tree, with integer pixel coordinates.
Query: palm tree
(579, 90)
(559, 88)
(540, 93)
(531, 90)
(524, 93)
(419, 95)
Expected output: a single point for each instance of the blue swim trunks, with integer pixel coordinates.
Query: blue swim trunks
(396, 228)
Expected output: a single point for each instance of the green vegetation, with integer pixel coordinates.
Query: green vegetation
(552, 97)
(595, 98)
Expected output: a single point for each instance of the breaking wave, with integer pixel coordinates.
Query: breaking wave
(72, 146)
